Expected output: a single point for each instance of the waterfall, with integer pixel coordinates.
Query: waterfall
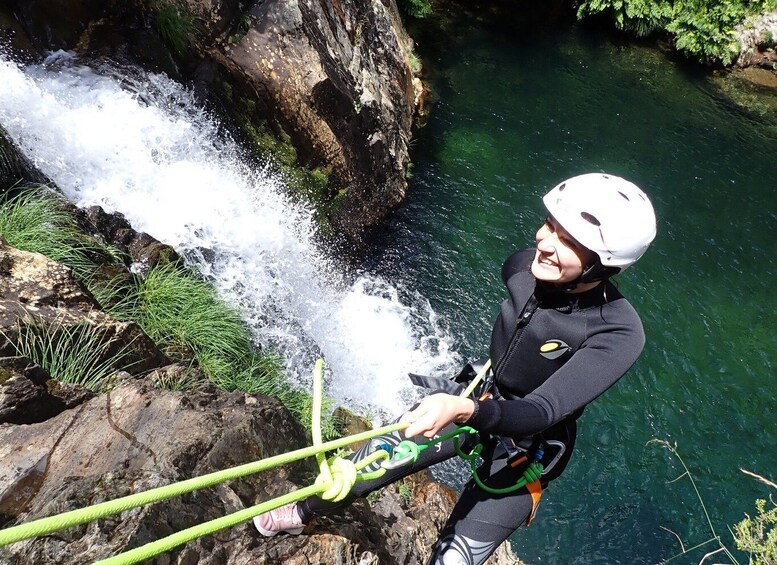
(141, 144)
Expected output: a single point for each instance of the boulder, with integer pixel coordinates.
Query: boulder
(15, 168)
(144, 250)
(758, 38)
(28, 395)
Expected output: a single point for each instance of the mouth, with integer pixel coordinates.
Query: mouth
(546, 261)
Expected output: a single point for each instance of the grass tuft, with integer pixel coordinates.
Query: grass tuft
(36, 220)
(186, 318)
(175, 26)
(72, 354)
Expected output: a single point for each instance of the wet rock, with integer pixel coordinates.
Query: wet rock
(16, 169)
(142, 248)
(28, 395)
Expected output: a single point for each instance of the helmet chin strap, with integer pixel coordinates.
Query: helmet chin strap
(592, 273)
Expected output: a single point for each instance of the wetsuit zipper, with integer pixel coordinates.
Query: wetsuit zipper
(526, 315)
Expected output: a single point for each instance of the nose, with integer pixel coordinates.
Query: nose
(547, 242)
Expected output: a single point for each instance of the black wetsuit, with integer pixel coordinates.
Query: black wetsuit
(553, 352)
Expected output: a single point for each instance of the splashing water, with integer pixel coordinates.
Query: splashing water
(140, 144)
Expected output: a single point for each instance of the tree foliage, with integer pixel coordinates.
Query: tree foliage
(702, 29)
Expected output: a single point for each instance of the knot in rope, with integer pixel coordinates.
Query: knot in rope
(405, 449)
(533, 472)
(339, 480)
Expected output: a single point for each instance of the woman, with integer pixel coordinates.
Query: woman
(563, 336)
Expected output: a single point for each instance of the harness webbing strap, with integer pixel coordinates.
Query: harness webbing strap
(535, 489)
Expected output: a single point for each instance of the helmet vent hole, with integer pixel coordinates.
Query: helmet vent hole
(605, 177)
(590, 219)
(624, 196)
(562, 186)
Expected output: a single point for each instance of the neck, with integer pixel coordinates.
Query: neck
(584, 287)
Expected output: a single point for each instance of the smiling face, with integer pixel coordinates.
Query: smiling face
(559, 258)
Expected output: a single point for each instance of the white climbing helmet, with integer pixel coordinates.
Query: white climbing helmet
(607, 214)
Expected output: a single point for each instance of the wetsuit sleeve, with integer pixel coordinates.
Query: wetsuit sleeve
(596, 366)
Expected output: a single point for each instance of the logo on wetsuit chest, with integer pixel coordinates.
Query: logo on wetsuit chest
(554, 348)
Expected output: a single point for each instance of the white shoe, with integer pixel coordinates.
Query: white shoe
(283, 519)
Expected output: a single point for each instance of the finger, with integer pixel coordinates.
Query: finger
(415, 428)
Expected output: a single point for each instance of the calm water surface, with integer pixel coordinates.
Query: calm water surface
(513, 118)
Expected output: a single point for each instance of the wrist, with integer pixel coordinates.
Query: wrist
(468, 408)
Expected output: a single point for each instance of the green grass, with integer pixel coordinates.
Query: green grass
(178, 310)
(73, 354)
(37, 220)
(405, 492)
(176, 27)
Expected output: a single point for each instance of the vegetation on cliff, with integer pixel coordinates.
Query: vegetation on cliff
(702, 29)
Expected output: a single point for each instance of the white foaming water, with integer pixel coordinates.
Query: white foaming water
(139, 144)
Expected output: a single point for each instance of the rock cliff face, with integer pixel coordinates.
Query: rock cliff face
(330, 76)
(336, 75)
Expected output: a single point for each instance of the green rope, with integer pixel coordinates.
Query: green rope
(532, 473)
(335, 481)
(408, 448)
(184, 536)
(51, 524)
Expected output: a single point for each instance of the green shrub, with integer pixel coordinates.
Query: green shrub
(416, 8)
(758, 535)
(640, 17)
(703, 29)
